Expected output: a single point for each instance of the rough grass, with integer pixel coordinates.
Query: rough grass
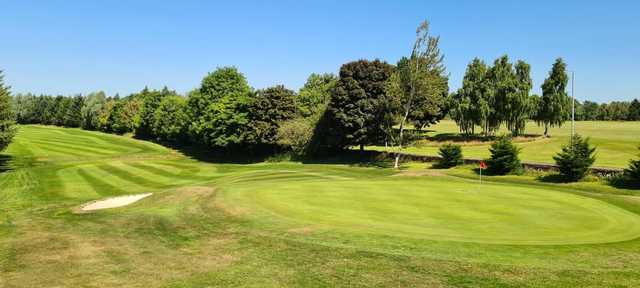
(616, 142)
(298, 225)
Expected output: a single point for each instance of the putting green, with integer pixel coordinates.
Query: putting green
(433, 208)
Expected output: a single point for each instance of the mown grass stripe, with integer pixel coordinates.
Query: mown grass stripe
(61, 152)
(98, 151)
(163, 173)
(131, 177)
(100, 186)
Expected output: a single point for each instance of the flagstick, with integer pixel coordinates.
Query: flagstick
(480, 175)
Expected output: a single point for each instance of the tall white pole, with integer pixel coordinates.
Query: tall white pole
(573, 108)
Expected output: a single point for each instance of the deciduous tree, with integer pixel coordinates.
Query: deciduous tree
(418, 87)
(314, 96)
(269, 108)
(554, 106)
(170, 119)
(354, 114)
(218, 110)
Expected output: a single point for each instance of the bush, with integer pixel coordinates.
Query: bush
(451, 156)
(504, 157)
(633, 172)
(575, 159)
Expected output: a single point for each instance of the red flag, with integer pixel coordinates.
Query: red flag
(483, 165)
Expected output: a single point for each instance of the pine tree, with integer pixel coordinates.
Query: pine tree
(504, 157)
(7, 118)
(575, 159)
(451, 155)
(633, 172)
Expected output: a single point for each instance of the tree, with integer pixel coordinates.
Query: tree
(355, 112)
(123, 115)
(518, 108)
(634, 111)
(296, 134)
(590, 110)
(314, 96)
(418, 87)
(149, 102)
(24, 108)
(554, 105)
(451, 155)
(218, 110)
(633, 172)
(59, 109)
(470, 105)
(575, 159)
(269, 108)
(502, 82)
(73, 113)
(91, 110)
(170, 119)
(460, 110)
(105, 118)
(7, 117)
(46, 108)
(504, 157)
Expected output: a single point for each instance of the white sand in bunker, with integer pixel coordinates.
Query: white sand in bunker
(114, 202)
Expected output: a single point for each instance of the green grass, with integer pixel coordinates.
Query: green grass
(616, 142)
(298, 225)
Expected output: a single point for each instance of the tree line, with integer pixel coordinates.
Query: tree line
(224, 112)
(369, 102)
(491, 96)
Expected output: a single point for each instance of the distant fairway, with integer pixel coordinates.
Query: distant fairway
(616, 142)
(298, 225)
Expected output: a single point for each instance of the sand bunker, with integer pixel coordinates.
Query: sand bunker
(113, 202)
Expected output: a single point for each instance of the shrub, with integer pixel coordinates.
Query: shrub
(575, 159)
(451, 156)
(504, 157)
(633, 172)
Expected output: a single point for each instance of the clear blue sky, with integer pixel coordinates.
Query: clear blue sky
(81, 46)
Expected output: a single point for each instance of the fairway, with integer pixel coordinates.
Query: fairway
(437, 209)
(616, 142)
(269, 224)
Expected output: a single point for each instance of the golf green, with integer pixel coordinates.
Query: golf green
(434, 208)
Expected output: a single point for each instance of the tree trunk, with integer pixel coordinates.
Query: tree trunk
(546, 129)
(400, 138)
(361, 147)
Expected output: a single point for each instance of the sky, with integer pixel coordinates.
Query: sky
(69, 47)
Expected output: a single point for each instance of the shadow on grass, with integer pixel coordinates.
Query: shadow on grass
(229, 156)
(623, 182)
(457, 137)
(552, 178)
(4, 163)
(353, 158)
